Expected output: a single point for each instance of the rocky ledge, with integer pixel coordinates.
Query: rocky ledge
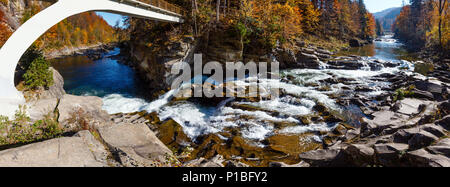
(90, 136)
(93, 52)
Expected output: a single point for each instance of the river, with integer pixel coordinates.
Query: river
(122, 91)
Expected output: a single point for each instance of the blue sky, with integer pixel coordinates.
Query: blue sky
(111, 18)
(379, 5)
(372, 5)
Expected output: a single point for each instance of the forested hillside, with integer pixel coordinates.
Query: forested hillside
(425, 24)
(84, 29)
(268, 23)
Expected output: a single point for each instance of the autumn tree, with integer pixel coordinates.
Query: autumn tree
(5, 32)
(424, 24)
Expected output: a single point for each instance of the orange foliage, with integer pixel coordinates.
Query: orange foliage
(279, 21)
(5, 32)
(371, 25)
(84, 29)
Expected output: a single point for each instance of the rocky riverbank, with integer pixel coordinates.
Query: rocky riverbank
(327, 109)
(89, 136)
(335, 111)
(93, 52)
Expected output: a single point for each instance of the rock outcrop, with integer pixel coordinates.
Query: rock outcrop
(77, 151)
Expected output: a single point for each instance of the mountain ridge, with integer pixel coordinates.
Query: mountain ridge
(387, 17)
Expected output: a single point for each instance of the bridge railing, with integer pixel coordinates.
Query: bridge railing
(164, 6)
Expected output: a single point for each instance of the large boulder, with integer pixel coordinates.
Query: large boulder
(355, 43)
(305, 60)
(71, 110)
(441, 148)
(77, 151)
(436, 130)
(57, 89)
(404, 135)
(444, 122)
(390, 154)
(322, 157)
(136, 145)
(422, 158)
(422, 139)
(435, 89)
(360, 155)
(286, 58)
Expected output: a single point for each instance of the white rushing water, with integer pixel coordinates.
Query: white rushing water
(197, 120)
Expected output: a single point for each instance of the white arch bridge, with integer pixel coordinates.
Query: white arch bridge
(30, 31)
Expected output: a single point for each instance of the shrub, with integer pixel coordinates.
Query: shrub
(38, 74)
(403, 93)
(22, 131)
(29, 56)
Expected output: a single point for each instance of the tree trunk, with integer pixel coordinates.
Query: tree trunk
(218, 10)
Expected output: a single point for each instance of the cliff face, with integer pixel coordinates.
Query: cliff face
(13, 12)
(15, 9)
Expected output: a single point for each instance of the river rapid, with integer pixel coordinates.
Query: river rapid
(303, 90)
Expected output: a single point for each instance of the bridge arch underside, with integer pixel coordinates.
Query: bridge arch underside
(36, 26)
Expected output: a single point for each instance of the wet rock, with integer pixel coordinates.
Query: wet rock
(340, 129)
(292, 144)
(346, 64)
(390, 154)
(320, 108)
(422, 139)
(171, 134)
(422, 158)
(308, 60)
(135, 145)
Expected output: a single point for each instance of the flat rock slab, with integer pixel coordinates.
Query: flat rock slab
(68, 106)
(136, 145)
(410, 106)
(60, 152)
